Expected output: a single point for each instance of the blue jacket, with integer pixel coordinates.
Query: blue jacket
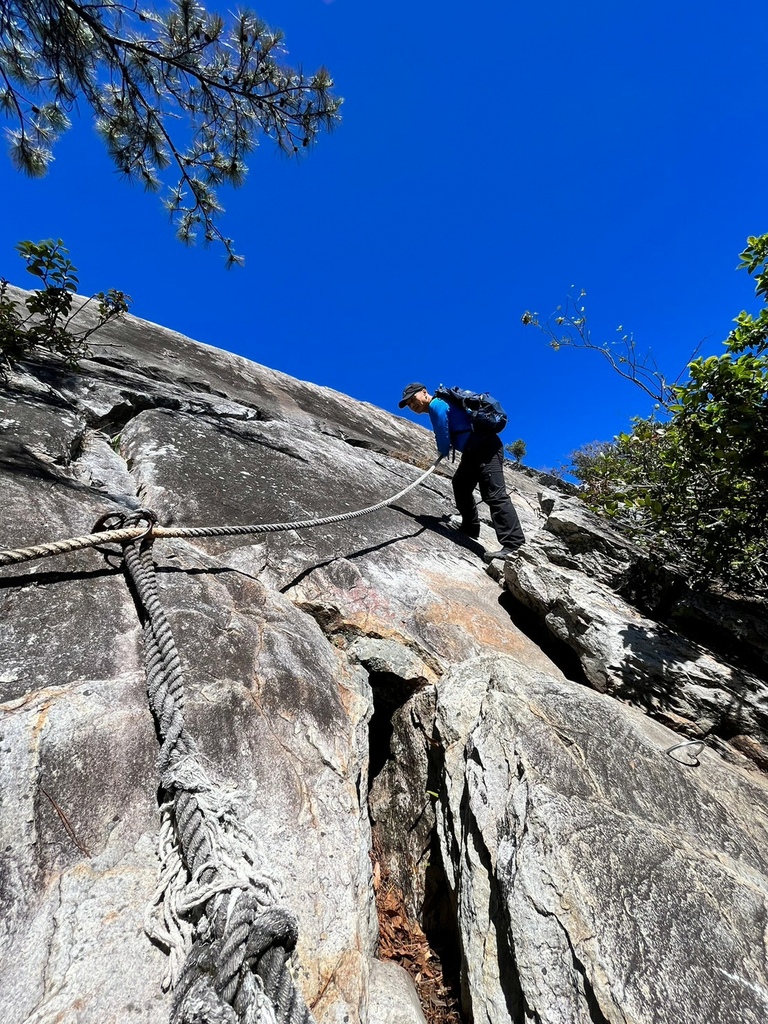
(452, 426)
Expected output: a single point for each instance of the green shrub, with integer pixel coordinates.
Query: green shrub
(694, 483)
(516, 450)
(46, 318)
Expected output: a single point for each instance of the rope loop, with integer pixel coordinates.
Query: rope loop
(119, 520)
(136, 518)
(109, 521)
(218, 910)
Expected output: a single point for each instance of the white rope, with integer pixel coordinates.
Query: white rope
(92, 540)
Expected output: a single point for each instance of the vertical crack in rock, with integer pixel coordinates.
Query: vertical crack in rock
(101, 467)
(593, 1005)
(411, 884)
(76, 446)
(47, 971)
(390, 692)
(425, 945)
(509, 973)
(440, 921)
(532, 625)
(579, 968)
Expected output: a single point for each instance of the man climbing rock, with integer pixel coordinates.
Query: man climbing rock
(481, 465)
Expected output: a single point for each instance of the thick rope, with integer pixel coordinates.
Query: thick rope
(214, 910)
(121, 535)
(236, 937)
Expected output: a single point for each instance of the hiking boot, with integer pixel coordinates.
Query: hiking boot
(504, 554)
(472, 530)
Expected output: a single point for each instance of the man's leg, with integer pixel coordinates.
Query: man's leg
(494, 491)
(464, 482)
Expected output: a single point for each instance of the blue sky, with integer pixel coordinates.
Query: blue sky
(490, 156)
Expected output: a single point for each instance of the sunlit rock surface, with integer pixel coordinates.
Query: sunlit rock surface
(601, 879)
(534, 824)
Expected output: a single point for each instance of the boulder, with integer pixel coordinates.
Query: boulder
(639, 660)
(393, 997)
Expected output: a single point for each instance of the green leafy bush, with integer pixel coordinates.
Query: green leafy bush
(46, 317)
(694, 483)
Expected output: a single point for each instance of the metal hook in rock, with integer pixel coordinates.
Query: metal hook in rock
(109, 521)
(694, 762)
(148, 516)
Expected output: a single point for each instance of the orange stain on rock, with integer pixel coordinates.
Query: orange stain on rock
(466, 609)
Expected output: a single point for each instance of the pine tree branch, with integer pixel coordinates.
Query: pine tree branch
(224, 82)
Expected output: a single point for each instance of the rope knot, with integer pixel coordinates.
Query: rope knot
(254, 941)
(275, 926)
(127, 520)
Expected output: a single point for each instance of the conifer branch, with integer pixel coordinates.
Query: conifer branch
(187, 89)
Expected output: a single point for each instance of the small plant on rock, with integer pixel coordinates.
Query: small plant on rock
(516, 450)
(46, 317)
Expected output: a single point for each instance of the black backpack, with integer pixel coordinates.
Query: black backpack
(484, 410)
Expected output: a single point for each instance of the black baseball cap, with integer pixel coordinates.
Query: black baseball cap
(409, 392)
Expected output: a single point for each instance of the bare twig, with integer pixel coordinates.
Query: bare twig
(65, 822)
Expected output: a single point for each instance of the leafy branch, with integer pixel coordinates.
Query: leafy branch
(694, 485)
(752, 332)
(49, 318)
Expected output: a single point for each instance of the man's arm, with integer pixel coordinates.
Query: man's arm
(438, 414)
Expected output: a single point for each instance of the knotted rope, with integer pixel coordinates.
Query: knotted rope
(214, 908)
(216, 905)
(123, 534)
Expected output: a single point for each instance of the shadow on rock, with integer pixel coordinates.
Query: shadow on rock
(682, 683)
(439, 524)
(350, 556)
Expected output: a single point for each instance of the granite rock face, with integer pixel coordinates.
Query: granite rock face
(368, 671)
(600, 879)
(572, 579)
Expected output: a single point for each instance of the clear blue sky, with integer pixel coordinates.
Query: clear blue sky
(490, 156)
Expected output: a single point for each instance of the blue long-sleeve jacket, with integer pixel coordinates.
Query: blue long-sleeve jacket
(452, 426)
